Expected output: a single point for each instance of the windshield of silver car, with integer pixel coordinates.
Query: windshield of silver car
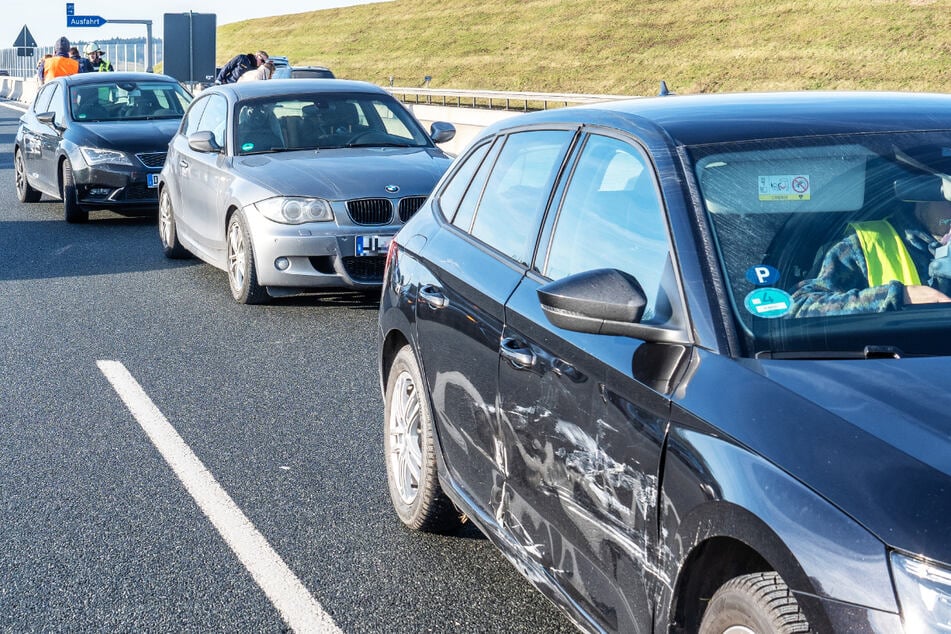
(324, 121)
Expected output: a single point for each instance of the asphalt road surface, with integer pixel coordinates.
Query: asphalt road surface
(173, 461)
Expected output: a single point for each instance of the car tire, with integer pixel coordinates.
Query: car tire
(410, 451)
(759, 603)
(242, 274)
(168, 232)
(25, 193)
(72, 212)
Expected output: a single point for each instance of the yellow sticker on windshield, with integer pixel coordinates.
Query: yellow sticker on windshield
(785, 187)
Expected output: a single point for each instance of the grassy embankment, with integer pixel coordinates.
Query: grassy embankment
(618, 47)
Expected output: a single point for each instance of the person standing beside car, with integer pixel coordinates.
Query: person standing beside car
(264, 71)
(94, 61)
(60, 64)
(239, 65)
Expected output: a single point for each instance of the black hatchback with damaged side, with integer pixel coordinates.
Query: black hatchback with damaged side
(98, 141)
(686, 360)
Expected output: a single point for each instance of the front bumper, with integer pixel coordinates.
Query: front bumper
(317, 254)
(116, 187)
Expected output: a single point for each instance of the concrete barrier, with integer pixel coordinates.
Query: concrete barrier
(468, 121)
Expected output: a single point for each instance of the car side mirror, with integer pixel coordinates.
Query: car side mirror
(46, 117)
(203, 141)
(441, 132)
(603, 301)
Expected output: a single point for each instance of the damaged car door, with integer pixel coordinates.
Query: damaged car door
(584, 434)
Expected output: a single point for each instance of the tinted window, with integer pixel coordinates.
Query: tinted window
(611, 217)
(190, 124)
(452, 194)
(124, 100)
(517, 191)
(215, 118)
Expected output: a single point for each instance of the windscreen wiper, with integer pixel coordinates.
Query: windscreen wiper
(868, 352)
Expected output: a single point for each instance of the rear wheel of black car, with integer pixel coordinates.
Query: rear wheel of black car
(242, 274)
(71, 209)
(759, 603)
(25, 193)
(171, 247)
(410, 451)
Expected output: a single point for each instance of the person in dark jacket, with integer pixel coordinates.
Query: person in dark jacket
(239, 65)
(60, 64)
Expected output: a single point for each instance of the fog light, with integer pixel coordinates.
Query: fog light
(282, 264)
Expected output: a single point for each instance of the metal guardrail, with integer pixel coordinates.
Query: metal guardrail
(496, 100)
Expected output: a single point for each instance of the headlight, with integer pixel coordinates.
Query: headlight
(924, 592)
(98, 156)
(295, 211)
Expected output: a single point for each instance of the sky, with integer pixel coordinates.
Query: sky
(46, 19)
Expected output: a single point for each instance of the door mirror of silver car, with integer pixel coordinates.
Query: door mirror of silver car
(603, 301)
(46, 117)
(203, 141)
(441, 131)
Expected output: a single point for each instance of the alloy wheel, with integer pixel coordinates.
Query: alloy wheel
(405, 431)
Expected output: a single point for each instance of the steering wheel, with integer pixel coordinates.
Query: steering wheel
(368, 135)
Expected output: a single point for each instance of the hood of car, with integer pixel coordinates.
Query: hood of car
(341, 174)
(127, 136)
(873, 437)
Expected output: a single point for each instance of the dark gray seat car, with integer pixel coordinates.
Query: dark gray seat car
(686, 360)
(98, 141)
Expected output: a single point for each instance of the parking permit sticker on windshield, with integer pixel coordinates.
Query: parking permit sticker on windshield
(247, 147)
(785, 187)
(768, 302)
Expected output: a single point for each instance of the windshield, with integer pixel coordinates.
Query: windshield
(834, 246)
(323, 121)
(126, 100)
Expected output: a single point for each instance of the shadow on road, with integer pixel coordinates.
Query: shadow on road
(106, 245)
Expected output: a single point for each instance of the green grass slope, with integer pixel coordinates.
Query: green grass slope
(619, 46)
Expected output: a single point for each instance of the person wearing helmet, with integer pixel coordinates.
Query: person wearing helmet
(94, 61)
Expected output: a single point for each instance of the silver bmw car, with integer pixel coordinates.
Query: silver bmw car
(295, 185)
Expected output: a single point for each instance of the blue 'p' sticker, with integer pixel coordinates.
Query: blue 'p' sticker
(762, 274)
(768, 302)
(247, 147)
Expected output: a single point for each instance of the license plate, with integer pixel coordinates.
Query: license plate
(372, 245)
(152, 179)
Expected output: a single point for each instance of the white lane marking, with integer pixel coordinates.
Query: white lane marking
(296, 605)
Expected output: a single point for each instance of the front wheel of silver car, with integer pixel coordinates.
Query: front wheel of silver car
(410, 451)
(168, 233)
(25, 193)
(242, 274)
(758, 603)
(72, 212)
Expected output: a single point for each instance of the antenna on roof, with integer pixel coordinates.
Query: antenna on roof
(664, 91)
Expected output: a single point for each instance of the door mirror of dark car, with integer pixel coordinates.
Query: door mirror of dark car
(441, 132)
(603, 301)
(203, 141)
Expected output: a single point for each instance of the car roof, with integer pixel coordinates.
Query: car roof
(274, 87)
(80, 79)
(734, 117)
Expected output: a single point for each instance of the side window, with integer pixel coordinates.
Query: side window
(452, 194)
(58, 107)
(190, 124)
(611, 217)
(517, 191)
(215, 118)
(42, 103)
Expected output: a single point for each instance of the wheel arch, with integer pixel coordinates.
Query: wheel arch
(726, 511)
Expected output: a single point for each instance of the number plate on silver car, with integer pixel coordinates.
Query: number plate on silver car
(372, 245)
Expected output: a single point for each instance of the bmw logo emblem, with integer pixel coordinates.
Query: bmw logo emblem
(392, 189)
